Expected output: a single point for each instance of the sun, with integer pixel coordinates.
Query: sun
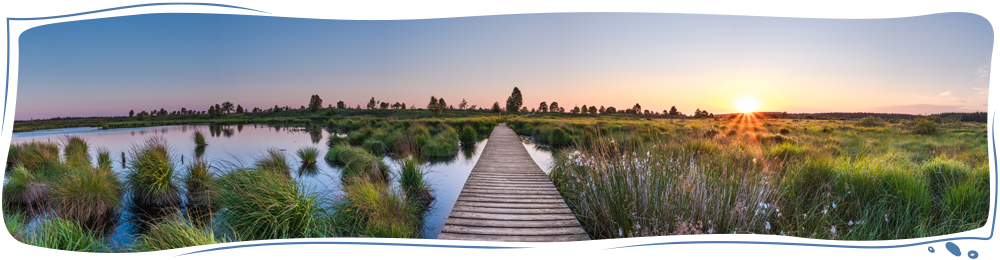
(747, 105)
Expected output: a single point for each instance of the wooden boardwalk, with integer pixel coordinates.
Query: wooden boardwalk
(509, 198)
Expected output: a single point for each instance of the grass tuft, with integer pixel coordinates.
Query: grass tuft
(150, 178)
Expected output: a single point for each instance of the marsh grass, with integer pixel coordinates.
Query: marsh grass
(76, 152)
(24, 191)
(263, 203)
(411, 179)
(199, 139)
(15, 223)
(373, 209)
(175, 232)
(274, 160)
(308, 155)
(56, 233)
(40, 158)
(201, 191)
(103, 158)
(151, 176)
(357, 162)
(88, 196)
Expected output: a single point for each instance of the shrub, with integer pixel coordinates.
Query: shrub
(89, 196)
(150, 176)
(263, 203)
(925, 127)
(468, 134)
(871, 122)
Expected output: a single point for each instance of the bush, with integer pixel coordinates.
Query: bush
(925, 127)
(871, 122)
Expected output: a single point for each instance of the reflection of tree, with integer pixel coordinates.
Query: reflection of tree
(228, 132)
(215, 130)
(316, 135)
(468, 149)
(239, 128)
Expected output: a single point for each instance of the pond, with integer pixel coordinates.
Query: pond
(242, 144)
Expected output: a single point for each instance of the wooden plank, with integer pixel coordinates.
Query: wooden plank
(507, 197)
(521, 239)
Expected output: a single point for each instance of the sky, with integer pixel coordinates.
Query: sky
(106, 67)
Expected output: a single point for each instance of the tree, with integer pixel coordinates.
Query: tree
(542, 107)
(515, 101)
(593, 110)
(239, 109)
(602, 110)
(637, 108)
(211, 111)
(402, 106)
(277, 108)
(554, 107)
(371, 103)
(227, 107)
(131, 113)
(611, 110)
(141, 117)
(673, 110)
(463, 105)
(315, 103)
(162, 112)
(441, 105)
(576, 110)
(383, 105)
(433, 104)
(340, 105)
(496, 107)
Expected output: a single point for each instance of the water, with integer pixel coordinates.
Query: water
(244, 143)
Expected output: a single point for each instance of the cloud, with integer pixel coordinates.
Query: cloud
(919, 109)
(982, 91)
(945, 94)
(983, 72)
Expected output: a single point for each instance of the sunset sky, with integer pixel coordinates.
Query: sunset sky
(106, 67)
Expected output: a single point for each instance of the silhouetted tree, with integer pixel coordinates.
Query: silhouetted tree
(543, 107)
(131, 113)
(371, 103)
(227, 107)
(383, 105)
(496, 107)
(315, 103)
(239, 109)
(602, 110)
(673, 110)
(441, 105)
(340, 105)
(463, 105)
(211, 111)
(593, 110)
(515, 101)
(554, 107)
(610, 110)
(637, 108)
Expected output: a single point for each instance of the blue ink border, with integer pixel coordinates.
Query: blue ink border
(7, 83)
(996, 168)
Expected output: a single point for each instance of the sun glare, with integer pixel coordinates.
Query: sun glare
(747, 105)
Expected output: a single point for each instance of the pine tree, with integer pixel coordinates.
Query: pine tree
(515, 101)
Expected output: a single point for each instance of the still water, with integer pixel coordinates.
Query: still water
(243, 144)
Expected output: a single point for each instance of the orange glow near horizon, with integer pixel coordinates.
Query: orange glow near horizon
(747, 105)
(748, 123)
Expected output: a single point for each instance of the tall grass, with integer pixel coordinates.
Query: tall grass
(357, 163)
(175, 232)
(56, 233)
(40, 158)
(372, 209)
(274, 160)
(89, 196)
(199, 139)
(150, 178)
(76, 152)
(262, 203)
(201, 191)
(103, 158)
(308, 155)
(15, 223)
(411, 179)
(24, 191)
